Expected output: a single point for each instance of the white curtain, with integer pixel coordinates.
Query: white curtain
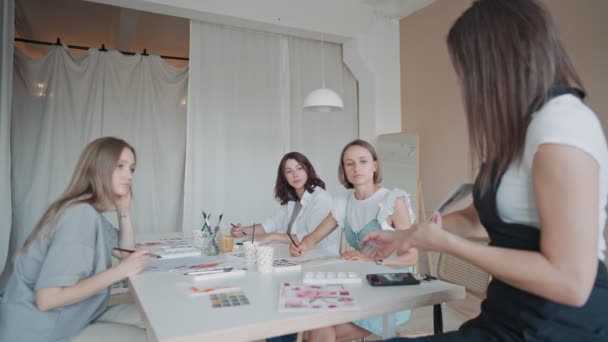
(60, 103)
(245, 111)
(235, 128)
(7, 27)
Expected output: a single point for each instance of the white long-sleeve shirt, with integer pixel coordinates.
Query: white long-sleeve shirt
(315, 208)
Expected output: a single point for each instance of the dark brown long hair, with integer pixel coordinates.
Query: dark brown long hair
(342, 174)
(285, 192)
(508, 56)
(91, 180)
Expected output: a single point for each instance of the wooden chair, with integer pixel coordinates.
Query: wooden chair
(457, 271)
(475, 281)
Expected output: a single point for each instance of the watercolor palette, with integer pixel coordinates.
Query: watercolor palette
(320, 278)
(228, 299)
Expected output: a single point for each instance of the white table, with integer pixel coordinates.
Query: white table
(172, 315)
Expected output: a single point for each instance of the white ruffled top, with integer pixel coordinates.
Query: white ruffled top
(359, 213)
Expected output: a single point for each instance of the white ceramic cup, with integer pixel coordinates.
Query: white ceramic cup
(265, 257)
(250, 252)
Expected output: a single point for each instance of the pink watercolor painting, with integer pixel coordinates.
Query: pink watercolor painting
(302, 298)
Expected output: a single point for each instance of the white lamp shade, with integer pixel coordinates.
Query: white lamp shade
(323, 100)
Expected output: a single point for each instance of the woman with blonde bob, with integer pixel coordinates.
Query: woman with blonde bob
(542, 187)
(62, 275)
(367, 208)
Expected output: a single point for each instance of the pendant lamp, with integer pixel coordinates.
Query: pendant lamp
(323, 99)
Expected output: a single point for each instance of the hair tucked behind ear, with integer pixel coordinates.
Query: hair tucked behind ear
(90, 182)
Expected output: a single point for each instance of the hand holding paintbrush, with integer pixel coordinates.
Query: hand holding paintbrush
(133, 251)
(237, 230)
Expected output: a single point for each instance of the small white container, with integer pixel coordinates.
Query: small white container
(265, 257)
(250, 252)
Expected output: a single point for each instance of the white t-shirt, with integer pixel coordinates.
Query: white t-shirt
(563, 120)
(359, 213)
(315, 208)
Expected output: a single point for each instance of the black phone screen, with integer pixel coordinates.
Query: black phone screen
(391, 279)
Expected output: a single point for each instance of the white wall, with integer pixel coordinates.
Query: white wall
(338, 19)
(373, 57)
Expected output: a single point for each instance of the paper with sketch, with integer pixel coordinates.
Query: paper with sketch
(462, 191)
(314, 254)
(182, 264)
(170, 248)
(306, 298)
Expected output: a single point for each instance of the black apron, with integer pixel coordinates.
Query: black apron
(510, 314)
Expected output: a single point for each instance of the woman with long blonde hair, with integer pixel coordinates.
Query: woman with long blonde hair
(63, 273)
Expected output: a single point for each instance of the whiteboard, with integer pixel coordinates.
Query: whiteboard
(398, 155)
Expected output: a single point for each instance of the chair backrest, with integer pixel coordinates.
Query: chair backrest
(460, 272)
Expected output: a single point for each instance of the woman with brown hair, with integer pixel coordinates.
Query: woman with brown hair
(304, 204)
(542, 187)
(62, 275)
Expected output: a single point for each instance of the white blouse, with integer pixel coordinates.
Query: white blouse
(380, 206)
(315, 208)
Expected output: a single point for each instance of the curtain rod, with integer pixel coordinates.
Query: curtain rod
(103, 48)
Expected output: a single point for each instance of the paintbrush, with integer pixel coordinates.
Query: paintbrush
(292, 240)
(133, 251)
(242, 231)
(219, 220)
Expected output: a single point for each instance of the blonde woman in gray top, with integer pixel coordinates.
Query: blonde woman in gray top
(63, 273)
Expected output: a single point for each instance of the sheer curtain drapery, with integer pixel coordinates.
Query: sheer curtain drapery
(7, 28)
(245, 111)
(60, 103)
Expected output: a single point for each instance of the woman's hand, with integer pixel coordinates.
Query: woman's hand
(237, 231)
(302, 247)
(380, 244)
(354, 255)
(123, 204)
(429, 236)
(134, 263)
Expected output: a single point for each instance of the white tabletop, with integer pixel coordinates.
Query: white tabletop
(173, 315)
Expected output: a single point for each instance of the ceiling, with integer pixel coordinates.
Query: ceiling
(162, 26)
(339, 20)
(89, 24)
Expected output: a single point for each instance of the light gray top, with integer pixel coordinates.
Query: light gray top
(78, 247)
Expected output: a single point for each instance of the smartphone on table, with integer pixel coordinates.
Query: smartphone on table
(392, 279)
